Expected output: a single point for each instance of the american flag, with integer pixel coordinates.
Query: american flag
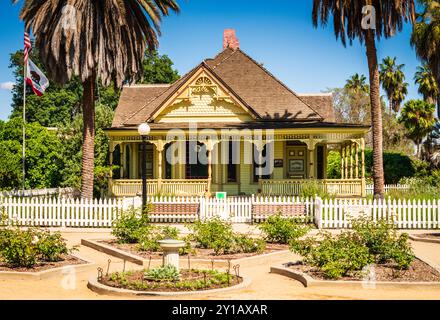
(27, 47)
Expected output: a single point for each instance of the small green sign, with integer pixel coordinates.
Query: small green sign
(220, 195)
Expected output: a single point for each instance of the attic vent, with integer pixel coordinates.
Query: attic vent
(203, 81)
(203, 85)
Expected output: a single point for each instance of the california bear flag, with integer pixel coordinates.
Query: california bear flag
(36, 78)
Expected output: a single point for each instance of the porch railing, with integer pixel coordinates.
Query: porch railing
(176, 187)
(337, 187)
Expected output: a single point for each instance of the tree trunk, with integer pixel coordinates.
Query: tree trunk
(376, 115)
(438, 108)
(88, 150)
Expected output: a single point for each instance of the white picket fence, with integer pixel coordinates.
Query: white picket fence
(406, 214)
(369, 188)
(332, 213)
(239, 209)
(62, 192)
(60, 212)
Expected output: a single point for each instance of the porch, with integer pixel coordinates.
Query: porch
(294, 160)
(288, 187)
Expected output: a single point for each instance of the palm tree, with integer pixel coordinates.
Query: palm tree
(357, 83)
(428, 87)
(393, 82)
(418, 118)
(349, 23)
(425, 38)
(94, 39)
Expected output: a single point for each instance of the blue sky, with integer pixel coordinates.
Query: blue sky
(278, 33)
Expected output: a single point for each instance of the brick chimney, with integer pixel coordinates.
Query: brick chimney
(230, 39)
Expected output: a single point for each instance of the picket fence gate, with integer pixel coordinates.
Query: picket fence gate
(405, 214)
(61, 212)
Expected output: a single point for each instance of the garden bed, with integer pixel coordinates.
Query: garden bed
(418, 271)
(66, 260)
(198, 253)
(190, 280)
(429, 236)
(426, 237)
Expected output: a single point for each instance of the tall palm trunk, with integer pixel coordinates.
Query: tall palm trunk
(88, 150)
(438, 108)
(376, 115)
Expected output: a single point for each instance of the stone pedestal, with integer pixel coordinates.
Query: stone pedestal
(171, 251)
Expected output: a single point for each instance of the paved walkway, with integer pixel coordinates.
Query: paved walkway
(264, 284)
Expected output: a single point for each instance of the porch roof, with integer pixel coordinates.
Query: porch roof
(249, 125)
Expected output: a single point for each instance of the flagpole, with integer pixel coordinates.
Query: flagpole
(24, 126)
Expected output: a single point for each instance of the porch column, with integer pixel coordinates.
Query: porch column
(311, 147)
(346, 161)
(356, 154)
(134, 170)
(342, 161)
(351, 160)
(312, 160)
(209, 148)
(160, 146)
(121, 168)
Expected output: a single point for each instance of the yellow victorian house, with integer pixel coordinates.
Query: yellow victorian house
(220, 124)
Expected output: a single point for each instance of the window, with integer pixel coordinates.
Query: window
(195, 170)
(257, 167)
(117, 162)
(127, 163)
(167, 164)
(232, 165)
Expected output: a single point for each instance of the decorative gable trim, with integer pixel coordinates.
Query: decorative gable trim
(198, 83)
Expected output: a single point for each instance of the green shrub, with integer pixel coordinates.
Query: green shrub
(18, 247)
(24, 248)
(149, 236)
(129, 226)
(218, 235)
(396, 166)
(282, 230)
(419, 188)
(370, 241)
(334, 165)
(212, 234)
(166, 272)
(247, 244)
(335, 256)
(312, 188)
(51, 247)
(383, 241)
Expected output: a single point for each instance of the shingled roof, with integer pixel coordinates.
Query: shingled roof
(257, 89)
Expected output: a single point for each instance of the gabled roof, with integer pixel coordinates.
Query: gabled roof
(268, 96)
(135, 98)
(255, 87)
